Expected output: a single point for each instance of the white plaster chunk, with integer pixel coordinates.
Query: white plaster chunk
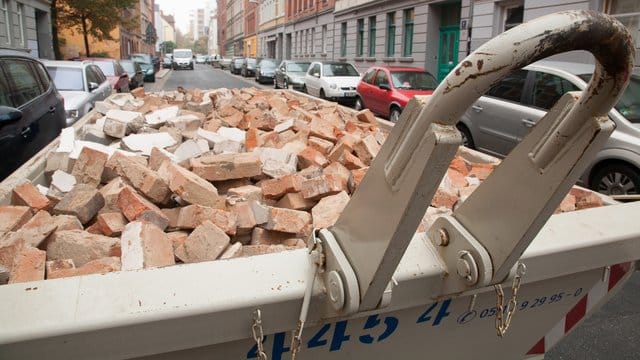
(232, 134)
(132, 256)
(284, 126)
(67, 140)
(190, 149)
(62, 181)
(124, 116)
(145, 142)
(277, 162)
(160, 117)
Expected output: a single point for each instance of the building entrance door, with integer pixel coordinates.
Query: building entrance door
(448, 50)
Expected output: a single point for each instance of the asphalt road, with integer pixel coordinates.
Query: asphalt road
(203, 77)
(611, 333)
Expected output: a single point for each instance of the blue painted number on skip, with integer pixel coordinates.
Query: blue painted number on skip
(442, 313)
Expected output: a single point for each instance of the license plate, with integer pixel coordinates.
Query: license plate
(349, 93)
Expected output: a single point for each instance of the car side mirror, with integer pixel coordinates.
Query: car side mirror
(9, 114)
(384, 87)
(316, 75)
(93, 86)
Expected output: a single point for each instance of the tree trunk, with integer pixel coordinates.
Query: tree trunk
(86, 36)
(54, 30)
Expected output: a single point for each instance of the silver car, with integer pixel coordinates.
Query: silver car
(81, 84)
(505, 115)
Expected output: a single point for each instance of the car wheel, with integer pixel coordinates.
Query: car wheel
(394, 114)
(359, 105)
(304, 89)
(467, 139)
(616, 179)
(322, 94)
(275, 83)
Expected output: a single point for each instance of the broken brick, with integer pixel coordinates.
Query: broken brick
(193, 216)
(286, 220)
(328, 210)
(135, 207)
(81, 246)
(28, 265)
(206, 242)
(191, 187)
(89, 166)
(83, 202)
(111, 224)
(13, 217)
(227, 166)
(144, 245)
(27, 194)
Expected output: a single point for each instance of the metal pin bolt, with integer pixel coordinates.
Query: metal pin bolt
(443, 237)
(467, 267)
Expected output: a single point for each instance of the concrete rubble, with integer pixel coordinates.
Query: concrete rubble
(154, 180)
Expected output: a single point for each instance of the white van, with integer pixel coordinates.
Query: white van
(182, 59)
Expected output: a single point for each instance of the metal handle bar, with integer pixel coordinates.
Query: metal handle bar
(378, 223)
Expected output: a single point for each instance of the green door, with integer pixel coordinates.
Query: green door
(448, 52)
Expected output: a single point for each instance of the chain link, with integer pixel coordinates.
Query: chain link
(503, 321)
(258, 334)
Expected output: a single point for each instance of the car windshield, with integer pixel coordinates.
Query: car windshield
(298, 67)
(251, 61)
(140, 59)
(182, 54)
(413, 80)
(239, 61)
(339, 70)
(145, 66)
(267, 64)
(128, 66)
(67, 79)
(106, 67)
(629, 103)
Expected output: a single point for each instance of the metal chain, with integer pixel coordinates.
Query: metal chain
(258, 334)
(503, 322)
(317, 259)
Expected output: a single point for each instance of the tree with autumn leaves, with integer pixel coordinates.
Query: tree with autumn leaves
(92, 18)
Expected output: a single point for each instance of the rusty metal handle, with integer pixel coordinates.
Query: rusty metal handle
(606, 38)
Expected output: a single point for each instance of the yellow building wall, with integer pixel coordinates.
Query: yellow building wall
(74, 44)
(250, 45)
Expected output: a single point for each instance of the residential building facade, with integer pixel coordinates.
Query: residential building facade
(271, 22)
(221, 13)
(250, 42)
(126, 41)
(26, 24)
(234, 28)
(309, 29)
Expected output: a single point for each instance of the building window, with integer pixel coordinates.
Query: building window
(324, 36)
(4, 8)
(23, 41)
(513, 16)
(313, 36)
(628, 13)
(343, 39)
(306, 41)
(360, 38)
(407, 42)
(391, 34)
(372, 36)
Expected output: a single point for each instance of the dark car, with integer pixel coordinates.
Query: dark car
(266, 70)
(167, 61)
(114, 72)
(31, 109)
(236, 65)
(133, 69)
(249, 67)
(146, 63)
(290, 73)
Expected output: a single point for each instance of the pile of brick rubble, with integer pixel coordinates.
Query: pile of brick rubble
(189, 176)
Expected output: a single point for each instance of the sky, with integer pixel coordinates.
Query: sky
(180, 10)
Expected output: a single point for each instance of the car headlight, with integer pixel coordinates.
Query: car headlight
(72, 113)
(333, 86)
(150, 72)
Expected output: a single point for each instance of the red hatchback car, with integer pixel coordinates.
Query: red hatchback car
(118, 78)
(386, 90)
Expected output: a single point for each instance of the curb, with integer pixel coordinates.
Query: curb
(162, 73)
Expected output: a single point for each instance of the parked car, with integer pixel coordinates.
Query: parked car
(266, 70)
(114, 72)
(31, 109)
(499, 120)
(167, 61)
(225, 63)
(291, 73)
(81, 84)
(136, 75)
(146, 58)
(249, 67)
(183, 59)
(236, 65)
(201, 59)
(386, 90)
(332, 80)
